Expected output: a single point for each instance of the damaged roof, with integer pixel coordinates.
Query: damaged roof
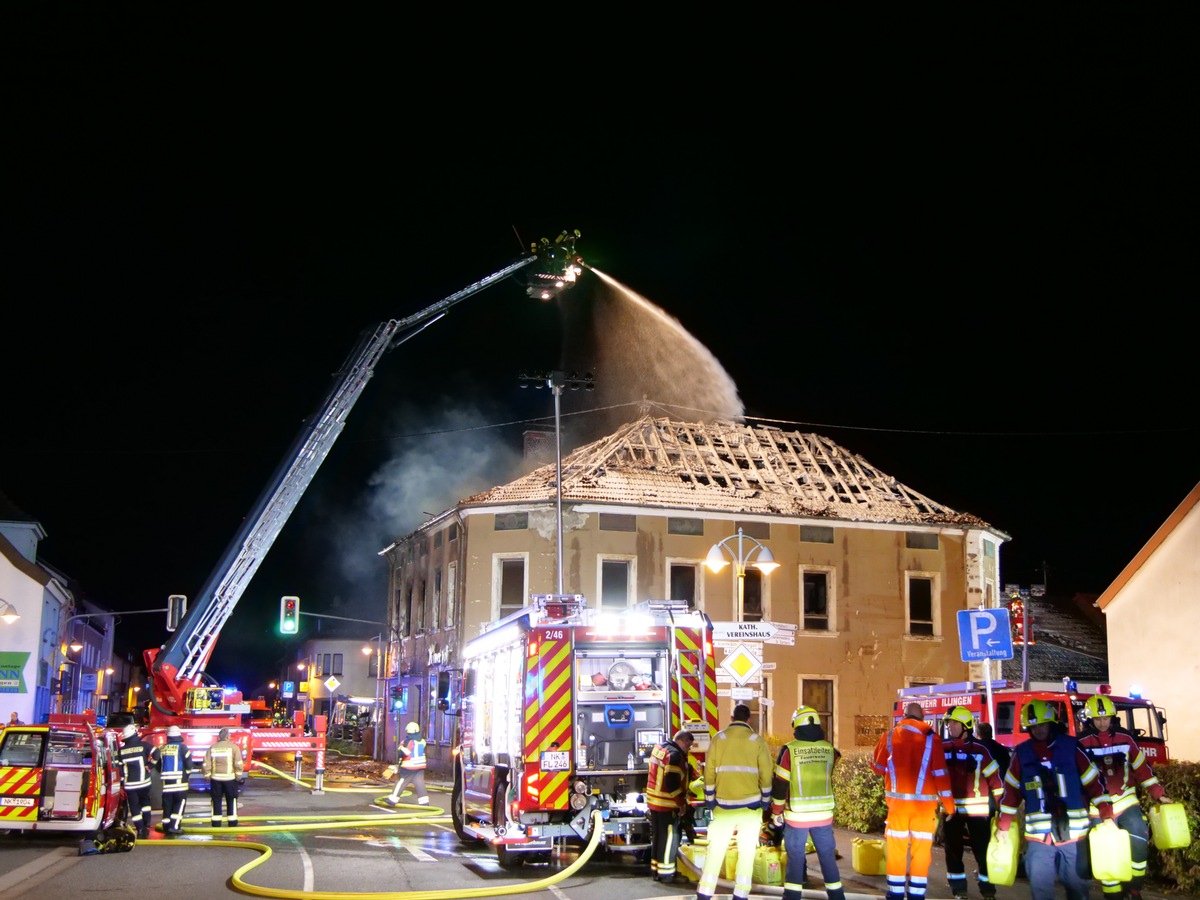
(726, 466)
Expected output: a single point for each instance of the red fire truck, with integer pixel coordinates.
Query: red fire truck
(1141, 718)
(561, 706)
(60, 776)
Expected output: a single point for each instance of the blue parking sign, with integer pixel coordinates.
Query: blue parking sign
(984, 634)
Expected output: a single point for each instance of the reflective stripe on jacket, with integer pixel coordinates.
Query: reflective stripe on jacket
(174, 763)
(913, 764)
(135, 763)
(805, 770)
(412, 754)
(223, 761)
(974, 776)
(1123, 765)
(737, 769)
(666, 778)
(1056, 780)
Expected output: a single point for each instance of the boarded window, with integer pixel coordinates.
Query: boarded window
(676, 525)
(816, 534)
(760, 530)
(511, 521)
(617, 522)
(818, 693)
(921, 540)
(752, 596)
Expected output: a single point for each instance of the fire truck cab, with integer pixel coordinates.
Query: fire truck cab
(1136, 715)
(561, 708)
(63, 775)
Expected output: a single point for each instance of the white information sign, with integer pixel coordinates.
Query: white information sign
(743, 631)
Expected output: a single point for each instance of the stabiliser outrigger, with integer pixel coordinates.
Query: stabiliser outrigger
(181, 693)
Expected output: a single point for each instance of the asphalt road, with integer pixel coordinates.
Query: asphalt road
(312, 850)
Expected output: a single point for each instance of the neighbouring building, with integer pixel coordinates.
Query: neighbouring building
(871, 572)
(1151, 608)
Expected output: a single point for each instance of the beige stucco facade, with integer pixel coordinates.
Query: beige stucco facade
(854, 661)
(1153, 613)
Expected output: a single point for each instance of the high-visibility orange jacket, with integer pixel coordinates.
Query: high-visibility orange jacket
(912, 761)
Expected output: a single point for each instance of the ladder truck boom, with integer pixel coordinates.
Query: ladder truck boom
(179, 664)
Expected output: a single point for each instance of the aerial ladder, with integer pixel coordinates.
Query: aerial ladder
(182, 693)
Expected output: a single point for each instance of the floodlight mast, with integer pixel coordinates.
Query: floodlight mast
(179, 664)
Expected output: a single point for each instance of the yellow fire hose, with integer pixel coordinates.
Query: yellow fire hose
(414, 813)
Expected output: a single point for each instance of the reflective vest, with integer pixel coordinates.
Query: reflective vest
(666, 778)
(810, 786)
(1053, 790)
(913, 763)
(412, 753)
(223, 761)
(174, 763)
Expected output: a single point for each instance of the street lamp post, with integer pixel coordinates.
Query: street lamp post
(377, 717)
(556, 381)
(764, 561)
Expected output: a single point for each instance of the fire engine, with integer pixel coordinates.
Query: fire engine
(62, 776)
(1141, 718)
(561, 706)
(181, 693)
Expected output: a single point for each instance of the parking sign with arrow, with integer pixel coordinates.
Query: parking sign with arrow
(984, 634)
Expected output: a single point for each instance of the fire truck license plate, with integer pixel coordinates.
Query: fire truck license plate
(555, 760)
(16, 801)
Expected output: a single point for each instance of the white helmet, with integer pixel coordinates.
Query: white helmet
(128, 731)
(173, 731)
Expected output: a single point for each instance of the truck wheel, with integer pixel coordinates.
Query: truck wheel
(505, 857)
(458, 810)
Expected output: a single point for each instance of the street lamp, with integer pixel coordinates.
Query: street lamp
(8, 612)
(556, 381)
(764, 561)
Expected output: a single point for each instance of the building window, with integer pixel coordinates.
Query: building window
(453, 532)
(818, 599)
(761, 706)
(753, 601)
(921, 540)
(436, 621)
(989, 549)
(816, 534)
(759, 530)
(437, 540)
(420, 600)
(617, 522)
(616, 582)
(818, 693)
(373, 665)
(676, 525)
(921, 605)
(404, 600)
(511, 521)
(451, 593)
(510, 585)
(683, 579)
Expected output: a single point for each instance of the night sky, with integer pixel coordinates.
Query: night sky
(978, 276)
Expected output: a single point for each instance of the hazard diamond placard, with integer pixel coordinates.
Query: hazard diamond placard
(741, 664)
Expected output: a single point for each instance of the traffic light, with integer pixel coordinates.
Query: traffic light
(176, 607)
(289, 615)
(398, 704)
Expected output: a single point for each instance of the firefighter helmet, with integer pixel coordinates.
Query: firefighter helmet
(128, 731)
(962, 716)
(805, 715)
(173, 731)
(1098, 705)
(1038, 712)
(412, 728)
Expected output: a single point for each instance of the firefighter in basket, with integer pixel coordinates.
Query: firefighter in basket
(411, 767)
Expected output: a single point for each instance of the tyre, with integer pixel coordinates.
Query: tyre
(505, 857)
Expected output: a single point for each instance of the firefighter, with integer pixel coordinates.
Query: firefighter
(174, 766)
(411, 765)
(802, 801)
(224, 770)
(1054, 777)
(913, 763)
(1123, 764)
(136, 759)
(976, 785)
(667, 801)
(737, 788)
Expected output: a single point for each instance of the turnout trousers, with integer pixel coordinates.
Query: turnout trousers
(909, 829)
(664, 842)
(224, 793)
(746, 822)
(977, 829)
